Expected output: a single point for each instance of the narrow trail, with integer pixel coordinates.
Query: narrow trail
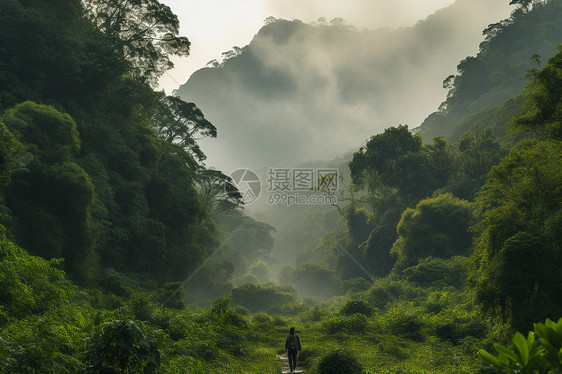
(285, 365)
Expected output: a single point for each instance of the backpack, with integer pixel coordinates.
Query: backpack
(293, 342)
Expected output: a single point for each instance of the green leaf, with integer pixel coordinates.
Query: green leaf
(488, 358)
(521, 348)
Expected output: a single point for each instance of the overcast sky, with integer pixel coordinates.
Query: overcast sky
(215, 26)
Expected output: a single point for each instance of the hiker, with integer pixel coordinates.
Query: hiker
(293, 345)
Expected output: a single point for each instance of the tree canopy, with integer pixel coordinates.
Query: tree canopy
(146, 32)
(521, 207)
(437, 227)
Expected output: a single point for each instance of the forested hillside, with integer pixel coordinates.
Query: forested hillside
(94, 183)
(478, 92)
(295, 84)
(121, 252)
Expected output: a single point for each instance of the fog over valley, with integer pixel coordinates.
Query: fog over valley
(281, 186)
(301, 92)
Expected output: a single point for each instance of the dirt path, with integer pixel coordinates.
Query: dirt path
(285, 365)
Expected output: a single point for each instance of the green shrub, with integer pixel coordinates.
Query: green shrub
(117, 283)
(30, 284)
(278, 321)
(222, 312)
(438, 227)
(404, 322)
(356, 285)
(357, 306)
(439, 300)
(141, 307)
(306, 355)
(169, 296)
(261, 298)
(309, 301)
(454, 325)
(386, 291)
(52, 342)
(356, 323)
(122, 347)
(438, 272)
(316, 313)
(393, 346)
(235, 319)
(540, 352)
(232, 342)
(338, 362)
(292, 309)
(262, 318)
(206, 351)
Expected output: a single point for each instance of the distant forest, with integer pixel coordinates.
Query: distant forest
(122, 252)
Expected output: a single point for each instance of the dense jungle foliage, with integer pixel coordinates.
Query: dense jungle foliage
(121, 252)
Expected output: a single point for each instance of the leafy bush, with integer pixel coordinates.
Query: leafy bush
(433, 271)
(30, 284)
(394, 347)
(122, 347)
(404, 322)
(262, 318)
(454, 324)
(437, 227)
(337, 362)
(117, 283)
(356, 285)
(386, 291)
(277, 320)
(52, 342)
(540, 352)
(357, 306)
(316, 313)
(257, 298)
(141, 307)
(206, 350)
(292, 309)
(439, 300)
(356, 323)
(307, 355)
(224, 314)
(233, 342)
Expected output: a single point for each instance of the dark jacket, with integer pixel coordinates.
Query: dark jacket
(298, 342)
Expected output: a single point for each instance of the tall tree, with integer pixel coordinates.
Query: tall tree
(217, 191)
(145, 31)
(475, 154)
(542, 111)
(177, 121)
(438, 227)
(52, 203)
(521, 216)
(12, 156)
(397, 171)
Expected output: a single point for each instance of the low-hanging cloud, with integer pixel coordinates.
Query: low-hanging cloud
(300, 92)
(361, 13)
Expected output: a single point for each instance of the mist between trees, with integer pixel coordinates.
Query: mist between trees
(122, 251)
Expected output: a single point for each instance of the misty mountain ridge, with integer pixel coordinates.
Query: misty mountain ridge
(486, 91)
(324, 89)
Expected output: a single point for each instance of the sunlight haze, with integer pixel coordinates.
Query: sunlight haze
(215, 26)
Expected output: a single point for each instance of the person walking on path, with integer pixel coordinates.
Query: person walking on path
(293, 346)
